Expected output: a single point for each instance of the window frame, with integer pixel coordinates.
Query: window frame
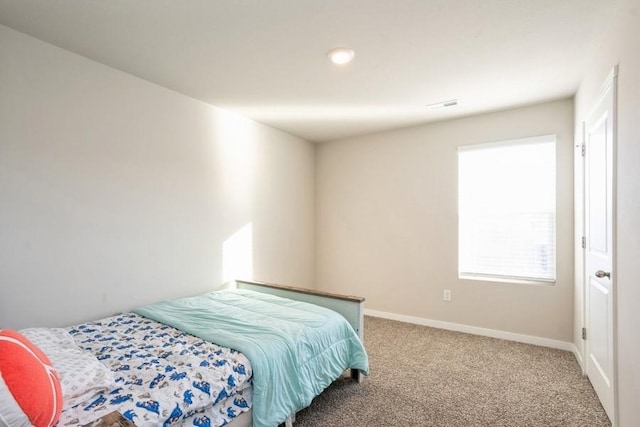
(550, 138)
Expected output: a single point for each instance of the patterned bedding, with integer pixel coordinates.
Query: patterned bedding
(163, 376)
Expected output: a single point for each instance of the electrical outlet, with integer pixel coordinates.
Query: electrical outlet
(446, 295)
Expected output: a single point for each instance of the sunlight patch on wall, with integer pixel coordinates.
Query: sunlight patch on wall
(236, 145)
(237, 255)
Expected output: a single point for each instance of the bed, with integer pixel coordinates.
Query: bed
(251, 354)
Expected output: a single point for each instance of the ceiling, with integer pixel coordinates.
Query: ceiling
(266, 59)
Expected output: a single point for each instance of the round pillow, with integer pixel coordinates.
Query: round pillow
(30, 392)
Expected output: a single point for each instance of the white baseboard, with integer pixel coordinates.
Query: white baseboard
(578, 356)
(493, 333)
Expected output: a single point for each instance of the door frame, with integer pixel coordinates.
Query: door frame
(610, 83)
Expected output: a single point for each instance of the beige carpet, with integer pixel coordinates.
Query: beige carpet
(423, 376)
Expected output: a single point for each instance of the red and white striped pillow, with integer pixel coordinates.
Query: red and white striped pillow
(30, 392)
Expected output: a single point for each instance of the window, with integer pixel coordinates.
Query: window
(507, 210)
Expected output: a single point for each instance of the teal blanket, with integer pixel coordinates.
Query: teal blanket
(296, 349)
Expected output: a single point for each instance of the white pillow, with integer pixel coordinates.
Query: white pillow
(81, 374)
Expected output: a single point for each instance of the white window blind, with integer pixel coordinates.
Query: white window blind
(507, 210)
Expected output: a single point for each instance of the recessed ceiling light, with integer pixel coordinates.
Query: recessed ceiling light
(441, 105)
(341, 55)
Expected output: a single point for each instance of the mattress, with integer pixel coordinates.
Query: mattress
(163, 376)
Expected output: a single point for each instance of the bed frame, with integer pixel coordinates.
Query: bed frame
(350, 307)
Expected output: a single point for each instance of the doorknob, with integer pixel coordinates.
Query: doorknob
(600, 274)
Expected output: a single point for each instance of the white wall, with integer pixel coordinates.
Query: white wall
(621, 46)
(116, 192)
(386, 224)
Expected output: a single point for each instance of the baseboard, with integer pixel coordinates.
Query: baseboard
(493, 333)
(578, 356)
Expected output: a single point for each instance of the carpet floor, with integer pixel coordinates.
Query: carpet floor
(422, 376)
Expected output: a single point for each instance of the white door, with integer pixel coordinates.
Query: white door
(599, 226)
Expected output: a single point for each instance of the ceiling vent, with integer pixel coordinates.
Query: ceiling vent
(441, 105)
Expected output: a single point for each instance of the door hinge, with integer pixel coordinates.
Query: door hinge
(584, 242)
(584, 149)
(584, 333)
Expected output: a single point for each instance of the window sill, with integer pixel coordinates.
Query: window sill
(506, 280)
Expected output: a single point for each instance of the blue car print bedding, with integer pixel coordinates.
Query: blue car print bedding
(163, 376)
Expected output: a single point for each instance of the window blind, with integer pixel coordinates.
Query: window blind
(507, 209)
